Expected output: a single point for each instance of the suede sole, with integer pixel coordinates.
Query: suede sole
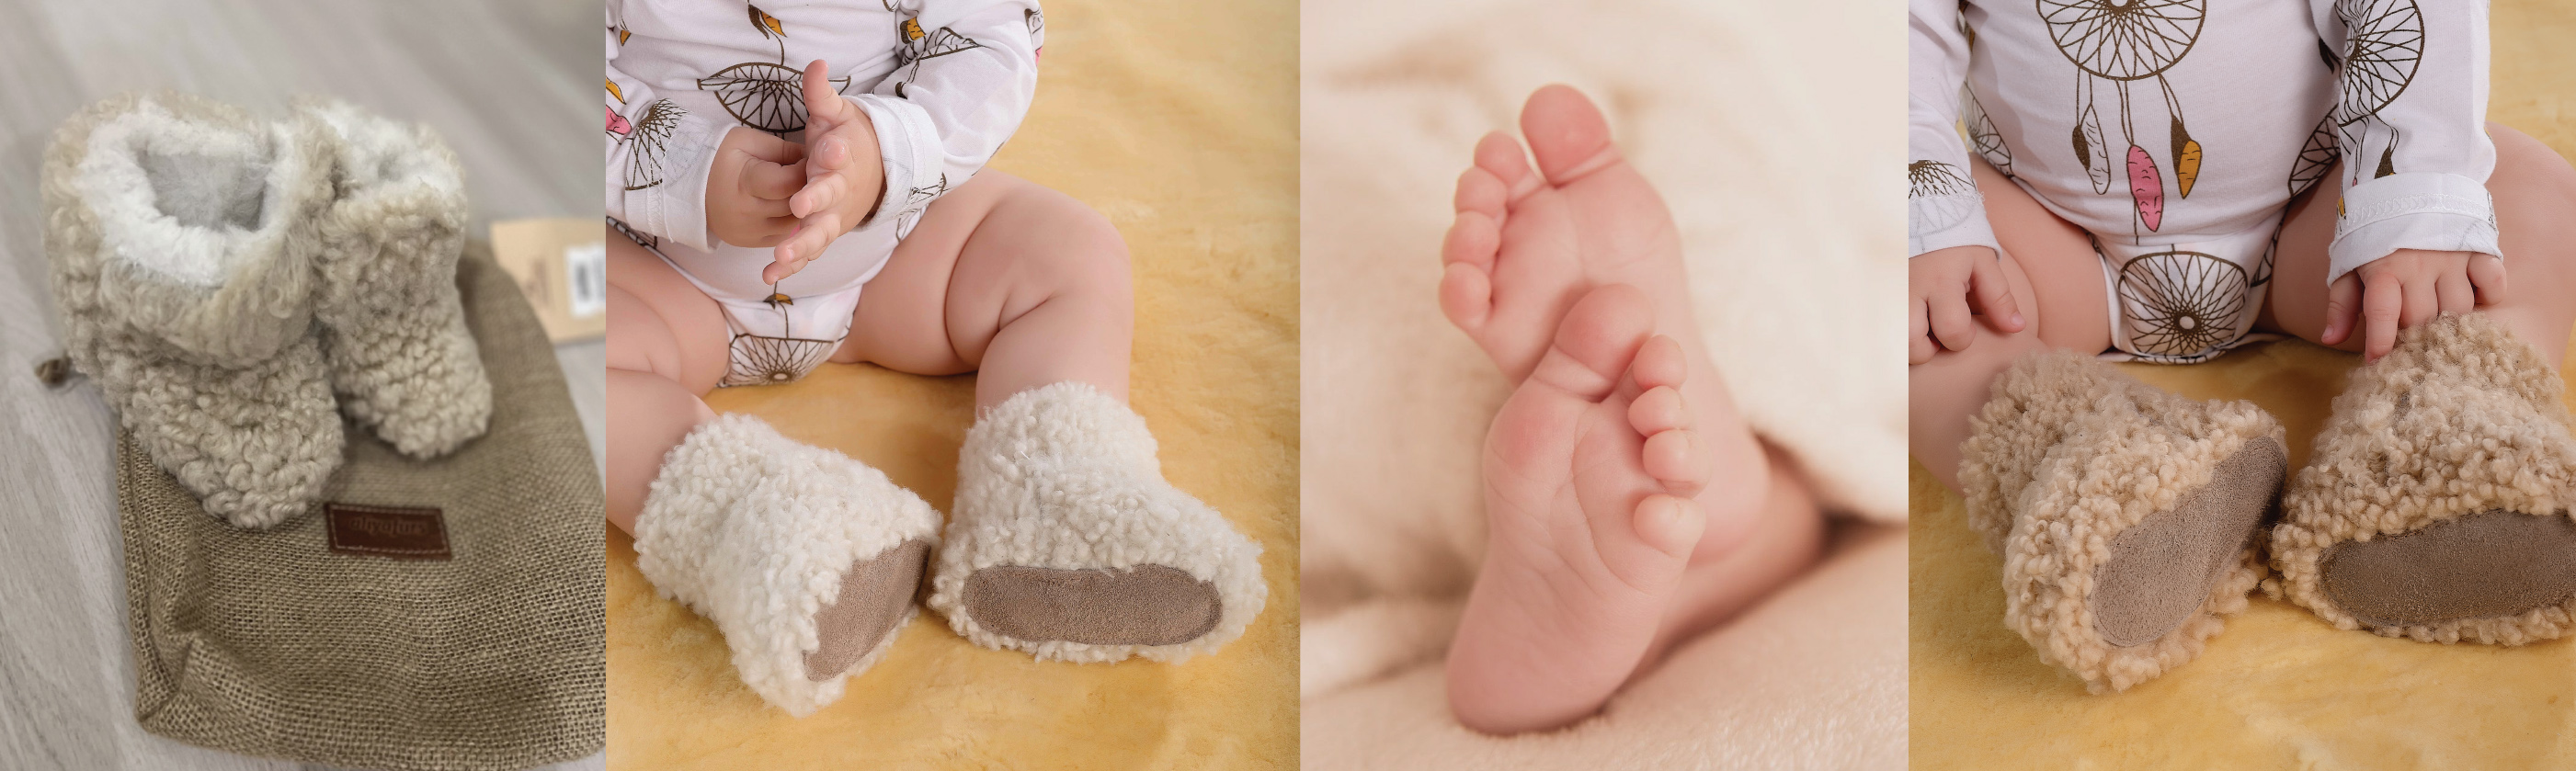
(875, 592)
(2492, 564)
(2163, 568)
(1144, 605)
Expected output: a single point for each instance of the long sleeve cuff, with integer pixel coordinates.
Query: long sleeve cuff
(909, 144)
(1936, 222)
(2416, 210)
(670, 199)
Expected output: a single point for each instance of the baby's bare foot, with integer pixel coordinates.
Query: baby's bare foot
(1525, 247)
(1588, 472)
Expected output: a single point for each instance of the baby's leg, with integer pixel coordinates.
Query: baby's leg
(1065, 541)
(666, 346)
(776, 542)
(1008, 279)
(2535, 205)
(2056, 278)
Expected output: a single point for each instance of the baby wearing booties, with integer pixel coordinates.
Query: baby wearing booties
(852, 219)
(221, 277)
(2436, 506)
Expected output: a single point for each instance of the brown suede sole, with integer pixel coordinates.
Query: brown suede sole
(1144, 605)
(2161, 569)
(874, 594)
(2494, 563)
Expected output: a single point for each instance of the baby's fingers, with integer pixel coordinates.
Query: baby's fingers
(772, 181)
(1994, 295)
(1919, 333)
(2343, 306)
(821, 193)
(824, 107)
(810, 239)
(1951, 323)
(2486, 272)
(2383, 304)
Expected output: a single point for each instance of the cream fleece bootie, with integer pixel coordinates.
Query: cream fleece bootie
(392, 328)
(1067, 543)
(180, 232)
(806, 560)
(2437, 504)
(2127, 516)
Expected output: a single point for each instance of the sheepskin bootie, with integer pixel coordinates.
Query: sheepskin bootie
(1067, 544)
(2437, 504)
(2127, 516)
(807, 561)
(393, 331)
(179, 233)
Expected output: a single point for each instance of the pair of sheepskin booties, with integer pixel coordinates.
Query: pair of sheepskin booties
(221, 277)
(2436, 506)
(1066, 544)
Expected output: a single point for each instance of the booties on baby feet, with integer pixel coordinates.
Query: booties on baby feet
(180, 233)
(2437, 505)
(392, 328)
(806, 560)
(2127, 516)
(1066, 543)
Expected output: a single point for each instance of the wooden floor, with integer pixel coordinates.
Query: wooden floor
(510, 83)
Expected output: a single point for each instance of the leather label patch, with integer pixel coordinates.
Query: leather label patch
(385, 531)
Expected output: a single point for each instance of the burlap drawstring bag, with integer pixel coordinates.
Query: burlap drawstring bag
(440, 614)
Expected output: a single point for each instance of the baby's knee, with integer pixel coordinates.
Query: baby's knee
(1091, 253)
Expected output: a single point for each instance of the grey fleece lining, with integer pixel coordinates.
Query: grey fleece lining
(2494, 563)
(2161, 569)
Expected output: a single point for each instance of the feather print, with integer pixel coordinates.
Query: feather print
(2186, 159)
(2088, 140)
(2147, 187)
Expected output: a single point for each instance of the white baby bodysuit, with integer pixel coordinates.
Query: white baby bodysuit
(944, 83)
(2176, 131)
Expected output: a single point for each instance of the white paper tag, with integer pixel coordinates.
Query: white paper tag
(586, 278)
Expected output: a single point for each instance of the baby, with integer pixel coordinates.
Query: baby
(2324, 172)
(1630, 507)
(774, 218)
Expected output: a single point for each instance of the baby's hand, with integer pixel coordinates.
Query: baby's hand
(1945, 283)
(748, 186)
(844, 174)
(2403, 289)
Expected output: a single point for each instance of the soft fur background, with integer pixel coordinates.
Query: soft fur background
(2279, 688)
(1771, 129)
(1177, 119)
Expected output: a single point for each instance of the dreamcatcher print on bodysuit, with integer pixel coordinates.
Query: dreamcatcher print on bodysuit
(1941, 194)
(2181, 306)
(2125, 42)
(763, 95)
(2383, 41)
(920, 46)
(645, 139)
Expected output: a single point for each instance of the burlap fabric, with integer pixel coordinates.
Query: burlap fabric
(271, 643)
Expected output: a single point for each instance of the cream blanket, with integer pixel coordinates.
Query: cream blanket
(1774, 131)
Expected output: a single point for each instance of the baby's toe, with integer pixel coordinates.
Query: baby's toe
(1473, 240)
(1669, 524)
(1481, 192)
(1660, 364)
(1676, 459)
(1499, 155)
(1597, 342)
(1466, 296)
(1567, 133)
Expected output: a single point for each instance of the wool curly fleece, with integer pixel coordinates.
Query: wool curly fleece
(2461, 420)
(2068, 455)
